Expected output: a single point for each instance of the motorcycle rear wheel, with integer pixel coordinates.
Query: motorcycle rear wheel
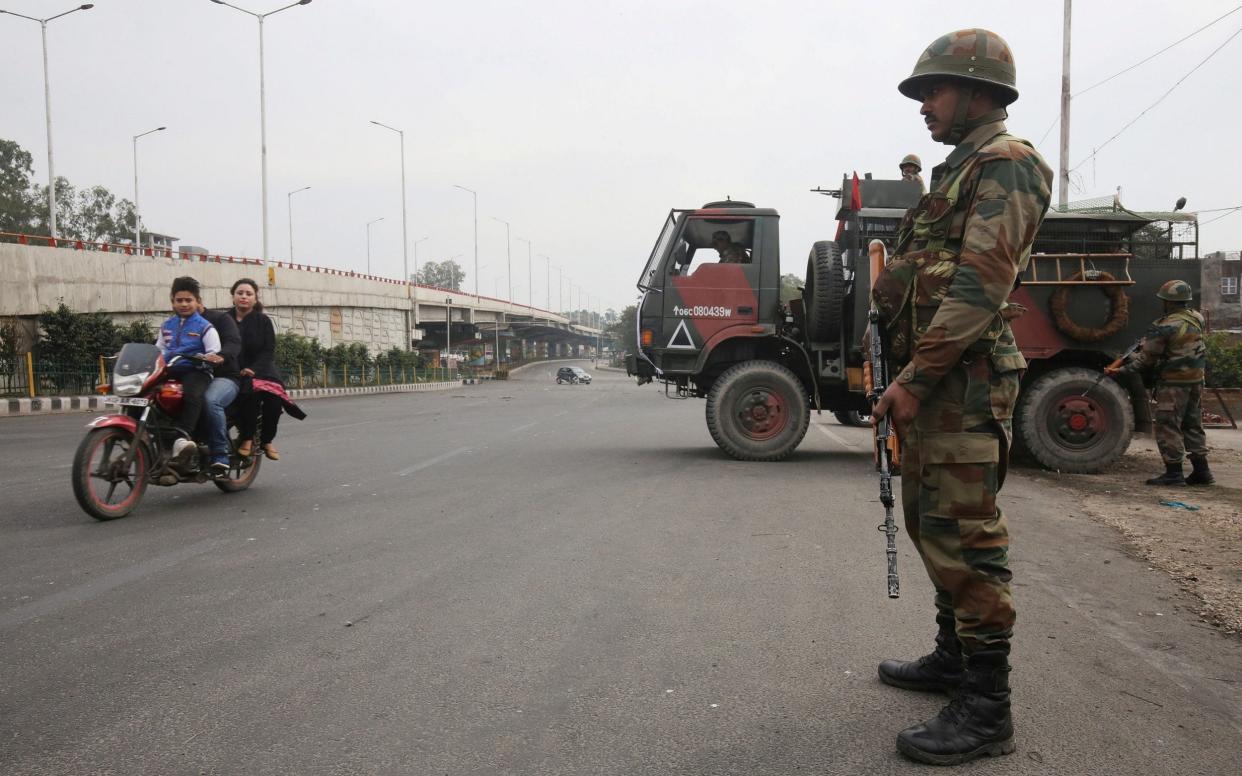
(101, 487)
(242, 471)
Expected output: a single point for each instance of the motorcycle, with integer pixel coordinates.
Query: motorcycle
(124, 452)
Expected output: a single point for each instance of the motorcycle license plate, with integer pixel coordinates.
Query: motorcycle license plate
(128, 401)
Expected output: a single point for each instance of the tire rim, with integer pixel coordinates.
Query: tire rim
(762, 413)
(1078, 422)
(108, 475)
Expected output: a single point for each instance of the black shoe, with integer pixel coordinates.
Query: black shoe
(940, 671)
(974, 724)
(1172, 476)
(1201, 475)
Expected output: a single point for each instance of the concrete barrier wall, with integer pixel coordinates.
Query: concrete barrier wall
(331, 307)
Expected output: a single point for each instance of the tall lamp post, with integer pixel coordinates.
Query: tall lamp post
(47, 107)
(376, 221)
(474, 194)
(405, 255)
(508, 256)
(137, 212)
(289, 198)
(416, 242)
(262, 104)
(530, 286)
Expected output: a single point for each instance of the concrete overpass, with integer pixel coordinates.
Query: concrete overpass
(333, 306)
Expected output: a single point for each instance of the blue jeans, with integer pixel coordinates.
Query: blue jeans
(220, 394)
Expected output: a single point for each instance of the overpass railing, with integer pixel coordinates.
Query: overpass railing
(165, 252)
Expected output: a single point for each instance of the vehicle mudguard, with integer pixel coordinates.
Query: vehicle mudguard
(125, 421)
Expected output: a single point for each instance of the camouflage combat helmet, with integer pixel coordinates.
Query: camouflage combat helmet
(912, 159)
(975, 55)
(1175, 291)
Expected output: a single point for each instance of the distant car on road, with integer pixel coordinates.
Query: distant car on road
(572, 375)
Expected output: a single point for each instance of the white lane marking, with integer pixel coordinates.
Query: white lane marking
(524, 426)
(83, 593)
(418, 467)
(835, 437)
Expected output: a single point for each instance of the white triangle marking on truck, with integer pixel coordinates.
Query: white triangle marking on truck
(688, 341)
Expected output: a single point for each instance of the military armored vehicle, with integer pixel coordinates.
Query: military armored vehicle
(716, 328)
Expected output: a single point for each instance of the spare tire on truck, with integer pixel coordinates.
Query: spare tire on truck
(824, 293)
(758, 411)
(1069, 432)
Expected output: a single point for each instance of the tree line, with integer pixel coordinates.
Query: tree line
(93, 213)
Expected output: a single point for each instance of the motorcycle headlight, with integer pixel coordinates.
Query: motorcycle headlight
(128, 385)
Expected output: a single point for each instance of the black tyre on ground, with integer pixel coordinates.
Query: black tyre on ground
(758, 411)
(1064, 430)
(853, 418)
(242, 471)
(824, 293)
(104, 487)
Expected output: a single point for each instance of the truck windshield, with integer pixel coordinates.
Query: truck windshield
(652, 271)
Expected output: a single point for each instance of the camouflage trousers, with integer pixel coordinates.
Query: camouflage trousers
(952, 468)
(1179, 422)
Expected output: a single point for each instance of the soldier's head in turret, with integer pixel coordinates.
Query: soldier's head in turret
(911, 164)
(963, 79)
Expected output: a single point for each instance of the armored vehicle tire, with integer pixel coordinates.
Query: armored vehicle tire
(824, 294)
(1064, 430)
(853, 418)
(758, 411)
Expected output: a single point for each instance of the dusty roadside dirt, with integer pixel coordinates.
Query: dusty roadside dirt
(1201, 550)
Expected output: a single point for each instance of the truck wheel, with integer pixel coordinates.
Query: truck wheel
(1069, 432)
(824, 293)
(758, 411)
(853, 418)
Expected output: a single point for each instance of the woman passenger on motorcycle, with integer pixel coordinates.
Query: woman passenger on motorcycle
(258, 359)
(189, 335)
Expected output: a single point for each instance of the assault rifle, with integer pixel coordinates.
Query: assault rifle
(876, 381)
(1116, 364)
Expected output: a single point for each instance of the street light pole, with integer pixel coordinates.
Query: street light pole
(474, 194)
(405, 255)
(289, 197)
(137, 212)
(530, 286)
(548, 259)
(262, 104)
(47, 108)
(508, 256)
(416, 242)
(376, 221)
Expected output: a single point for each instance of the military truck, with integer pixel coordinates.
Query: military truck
(718, 330)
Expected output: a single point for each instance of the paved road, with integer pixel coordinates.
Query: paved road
(536, 579)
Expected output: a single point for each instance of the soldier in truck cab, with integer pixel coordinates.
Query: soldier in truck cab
(958, 370)
(730, 252)
(910, 168)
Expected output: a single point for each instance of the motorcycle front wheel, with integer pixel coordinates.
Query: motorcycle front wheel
(104, 487)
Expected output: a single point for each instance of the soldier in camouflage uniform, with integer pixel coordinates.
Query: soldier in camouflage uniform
(729, 251)
(943, 300)
(1173, 349)
(911, 165)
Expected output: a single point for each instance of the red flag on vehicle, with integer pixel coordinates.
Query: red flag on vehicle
(855, 194)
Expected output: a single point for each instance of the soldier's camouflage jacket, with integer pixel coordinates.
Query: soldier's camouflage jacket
(1173, 349)
(958, 254)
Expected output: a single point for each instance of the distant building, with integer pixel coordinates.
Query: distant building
(157, 240)
(1220, 275)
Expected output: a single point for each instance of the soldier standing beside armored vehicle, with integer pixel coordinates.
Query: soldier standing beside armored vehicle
(1173, 348)
(958, 254)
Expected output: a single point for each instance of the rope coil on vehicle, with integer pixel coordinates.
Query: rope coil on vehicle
(1118, 317)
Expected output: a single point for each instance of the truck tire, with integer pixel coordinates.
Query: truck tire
(1066, 431)
(824, 294)
(852, 418)
(758, 411)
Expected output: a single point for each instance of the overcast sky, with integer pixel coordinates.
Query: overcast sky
(582, 123)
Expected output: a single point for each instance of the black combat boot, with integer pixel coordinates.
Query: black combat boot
(975, 723)
(940, 671)
(1172, 476)
(1201, 475)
